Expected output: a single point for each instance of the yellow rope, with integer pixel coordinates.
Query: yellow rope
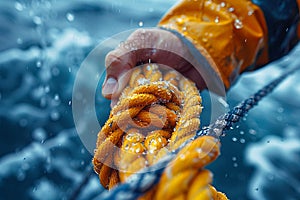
(156, 113)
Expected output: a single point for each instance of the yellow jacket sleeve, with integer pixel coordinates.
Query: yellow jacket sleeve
(231, 34)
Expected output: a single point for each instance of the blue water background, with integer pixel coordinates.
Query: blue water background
(42, 46)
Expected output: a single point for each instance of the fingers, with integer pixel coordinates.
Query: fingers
(119, 61)
(143, 46)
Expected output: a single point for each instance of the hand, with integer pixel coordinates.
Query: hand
(144, 46)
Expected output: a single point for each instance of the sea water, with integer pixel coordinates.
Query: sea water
(43, 44)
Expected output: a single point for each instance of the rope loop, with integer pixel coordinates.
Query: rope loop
(156, 113)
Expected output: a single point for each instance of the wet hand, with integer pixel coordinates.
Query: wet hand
(144, 46)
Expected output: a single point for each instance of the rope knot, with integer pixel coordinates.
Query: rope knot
(156, 113)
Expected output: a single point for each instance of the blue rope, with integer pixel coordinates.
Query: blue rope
(226, 121)
(140, 183)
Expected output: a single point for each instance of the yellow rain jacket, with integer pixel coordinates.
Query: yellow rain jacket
(236, 35)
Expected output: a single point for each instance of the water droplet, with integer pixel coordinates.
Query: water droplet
(126, 147)
(151, 151)
(126, 46)
(159, 140)
(242, 140)
(19, 41)
(34, 189)
(231, 9)
(204, 39)
(222, 4)
(217, 19)
(54, 115)
(69, 103)
(242, 132)
(18, 6)
(39, 64)
(141, 24)
(47, 88)
(250, 12)
(37, 20)
(179, 21)
(121, 44)
(70, 17)
(252, 132)
(234, 139)
(56, 97)
(143, 81)
(238, 24)
(39, 134)
(234, 159)
(199, 150)
(235, 165)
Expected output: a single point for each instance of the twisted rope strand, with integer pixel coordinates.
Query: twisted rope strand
(145, 124)
(140, 183)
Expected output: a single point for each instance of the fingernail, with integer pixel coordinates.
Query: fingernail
(110, 86)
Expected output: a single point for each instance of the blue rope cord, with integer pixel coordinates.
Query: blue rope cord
(226, 121)
(139, 183)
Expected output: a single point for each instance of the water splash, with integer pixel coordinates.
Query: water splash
(277, 164)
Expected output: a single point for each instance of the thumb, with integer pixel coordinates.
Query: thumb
(109, 87)
(117, 73)
(113, 86)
